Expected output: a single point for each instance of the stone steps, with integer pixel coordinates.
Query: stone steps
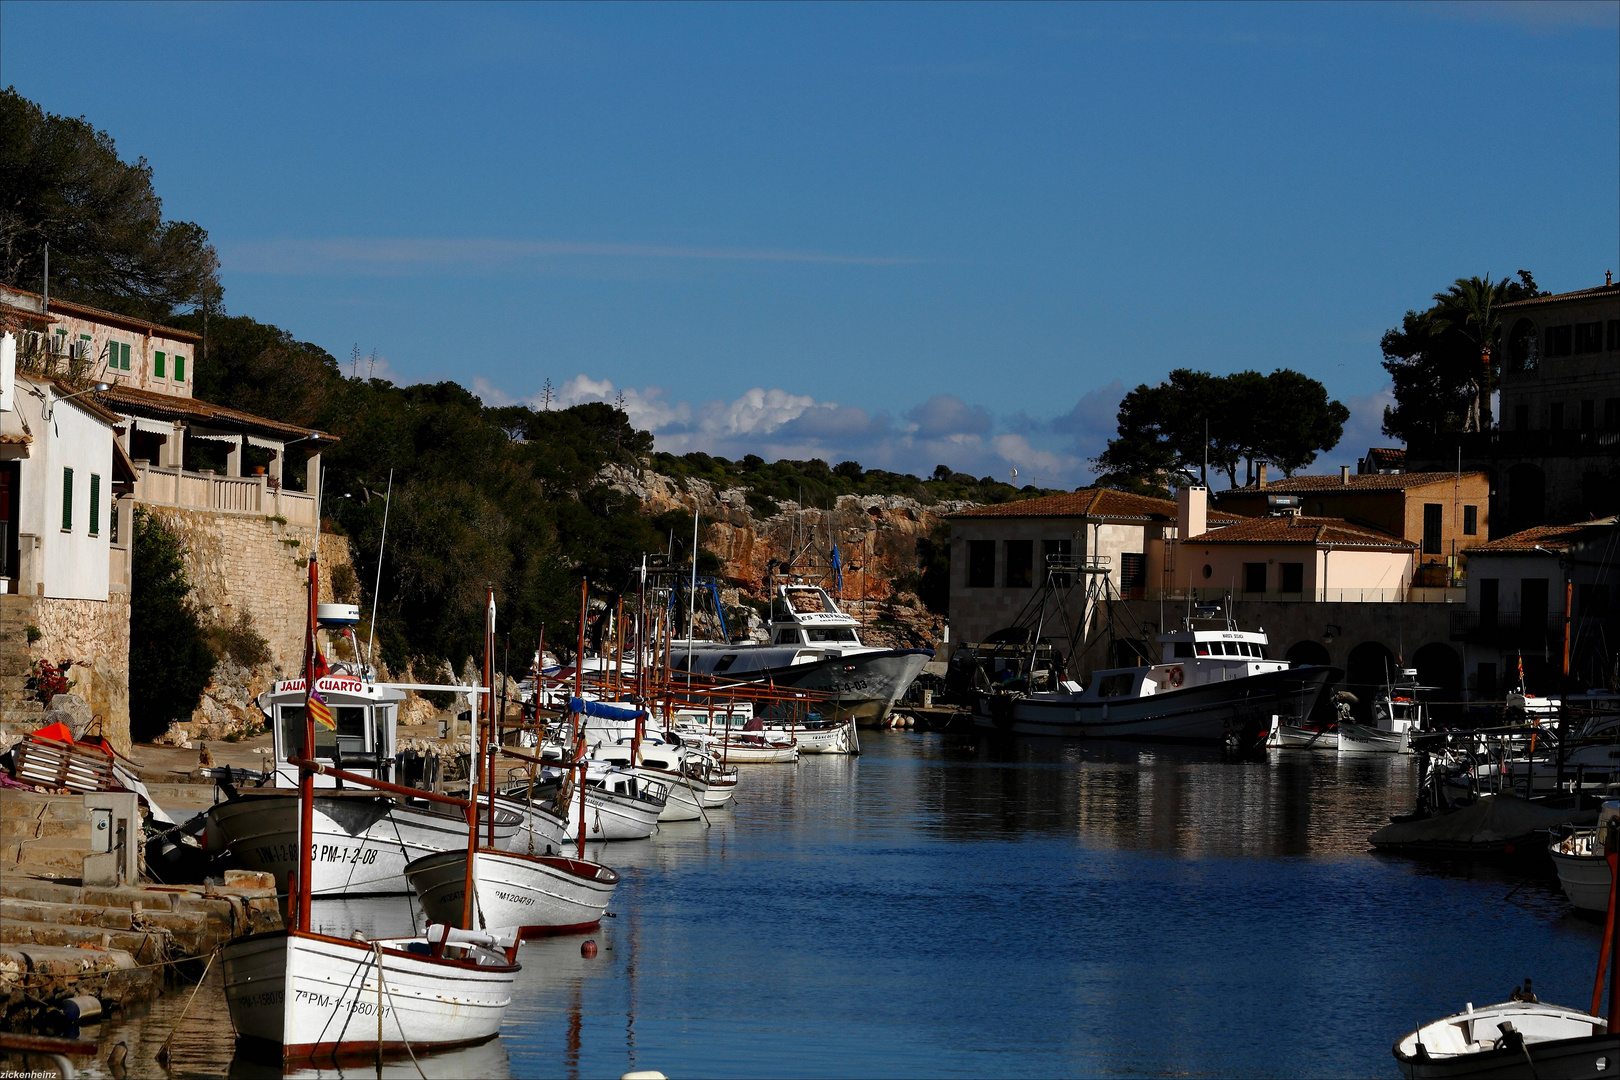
(143, 945)
(193, 918)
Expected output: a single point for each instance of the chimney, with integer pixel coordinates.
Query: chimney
(1260, 475)
(1192, 511)
(1344, 475)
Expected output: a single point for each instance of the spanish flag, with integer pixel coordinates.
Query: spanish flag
(320, 712)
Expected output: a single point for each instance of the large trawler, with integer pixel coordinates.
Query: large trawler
(1214, 685)
(816, 646)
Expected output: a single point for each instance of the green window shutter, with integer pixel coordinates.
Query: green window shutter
(95, 504)
(157, 365)
(67, 500)
(126, 356)
(179, 368)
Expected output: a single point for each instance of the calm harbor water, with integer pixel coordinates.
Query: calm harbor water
(959, 906)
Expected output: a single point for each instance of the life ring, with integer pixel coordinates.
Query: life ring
(1174, 676)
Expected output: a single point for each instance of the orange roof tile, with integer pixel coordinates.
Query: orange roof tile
(1315, 531)
(1088, 502)
(1552, 537)
(129, 399)
(1594, 293)
(1359, 483)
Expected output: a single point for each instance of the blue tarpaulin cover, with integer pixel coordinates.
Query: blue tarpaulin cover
(601, 711)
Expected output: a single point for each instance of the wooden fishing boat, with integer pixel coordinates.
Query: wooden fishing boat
(536, 894)
(318, 996)
(1512, 1040)
(1577, 854)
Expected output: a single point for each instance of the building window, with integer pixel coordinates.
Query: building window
(1293, 577)
(1588, 337)
(1560, 340)
(1058, 552)
(117, 355)
(1132, 573)
(1489, 591)
(1588, 414)
(1522, 354)
(1470, 521)
(1614, 334)
(1533, 609)
(1431, 527)
(95, 504)
(67, 500)
(1611, 413)
(1485, 682)
(179, 368)
(157, 365)
(1521, 418)
(981, 564)
(1020, 564)
(1254, 577)
(1555, 416)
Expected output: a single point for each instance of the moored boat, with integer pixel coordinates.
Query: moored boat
(537, 894)
(1511, 1040)
(1577, 854)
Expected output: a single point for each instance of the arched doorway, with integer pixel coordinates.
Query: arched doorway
(1314, 652)
(1439, 666)
(1308, 652)
(1371, 665)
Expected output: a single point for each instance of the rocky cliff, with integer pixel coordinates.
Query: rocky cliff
(877, 537)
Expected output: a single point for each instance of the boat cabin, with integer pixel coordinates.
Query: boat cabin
(365, 715)
(807, 615)
(1190, 657)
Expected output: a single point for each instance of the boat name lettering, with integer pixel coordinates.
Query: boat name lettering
(265, 997)
(329, 684)
(514, 898)
(362, 856)
(327, 1001)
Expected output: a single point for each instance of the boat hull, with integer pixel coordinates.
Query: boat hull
(612, 817)
(360, 845)
(1361, 739)
(1585, 879)
(685, 802)
(862, 687)
(1212, 713)
(544, 894)
(315, 996)
(1556, 1043)
(1288, 737)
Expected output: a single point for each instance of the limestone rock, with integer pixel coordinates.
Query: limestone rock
(71, 710)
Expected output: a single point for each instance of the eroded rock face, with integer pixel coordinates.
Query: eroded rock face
(876, 536)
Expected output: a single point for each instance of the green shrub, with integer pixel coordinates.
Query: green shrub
(345, 584)
(240, 641)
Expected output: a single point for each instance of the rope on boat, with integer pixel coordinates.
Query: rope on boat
(163, 1051)
(382, 988)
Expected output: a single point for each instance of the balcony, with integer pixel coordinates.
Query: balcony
(157, 486)
(1506, 629)
(1409, 595)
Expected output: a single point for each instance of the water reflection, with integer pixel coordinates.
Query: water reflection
(970, 906)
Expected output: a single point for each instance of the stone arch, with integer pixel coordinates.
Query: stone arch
(1527, 496)
(1308, 651)
(1439, 666)
(1370, 666)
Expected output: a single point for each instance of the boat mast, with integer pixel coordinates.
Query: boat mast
(306, 775)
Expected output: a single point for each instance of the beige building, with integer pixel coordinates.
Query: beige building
(1440, 513)
(1554, 454)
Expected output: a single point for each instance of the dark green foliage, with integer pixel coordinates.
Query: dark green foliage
(931, 581)
(1283, 418)
(1433, 357)
(170, 661)
(62, 183)
(241, 641)
(814, 483)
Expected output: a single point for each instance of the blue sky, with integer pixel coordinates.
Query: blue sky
(907, 234)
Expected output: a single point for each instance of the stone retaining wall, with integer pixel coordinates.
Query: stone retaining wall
(94, 634)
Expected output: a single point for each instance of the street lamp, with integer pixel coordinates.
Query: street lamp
(50, 406)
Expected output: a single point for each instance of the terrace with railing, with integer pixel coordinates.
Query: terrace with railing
(159, 486)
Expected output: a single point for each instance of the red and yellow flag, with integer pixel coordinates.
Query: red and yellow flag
(320, 712)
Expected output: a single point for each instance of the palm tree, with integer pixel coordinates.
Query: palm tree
(1469, 306)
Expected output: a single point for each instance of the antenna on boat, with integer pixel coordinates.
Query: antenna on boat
(388, 498)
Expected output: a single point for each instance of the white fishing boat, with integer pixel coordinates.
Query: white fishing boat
(313, 995)
(1294, 737)
(814, 645)
(541, 829)
(1577, 853)
(1398, 714)
(663, 763)
(814, 733)
(1214, 684)
(1509, 1040)
(619, 805)
(748, 748)
(318, 996)
(538, 894)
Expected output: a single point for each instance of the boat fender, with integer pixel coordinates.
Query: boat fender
(1175, 676)
(588, 950)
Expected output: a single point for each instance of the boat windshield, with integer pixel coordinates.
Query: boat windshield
(350, 733)
(831, 633)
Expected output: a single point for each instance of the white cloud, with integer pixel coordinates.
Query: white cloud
(1364, 428)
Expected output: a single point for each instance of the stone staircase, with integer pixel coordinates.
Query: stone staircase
(20, 711)
(43, 836)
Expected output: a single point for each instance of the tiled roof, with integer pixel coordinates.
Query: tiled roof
(1595, 293)
(1386, 457)
(1088, 502)
(1358, 483)
(1315, 531)
(129, 399)
(72, 307)
(1552, 537)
